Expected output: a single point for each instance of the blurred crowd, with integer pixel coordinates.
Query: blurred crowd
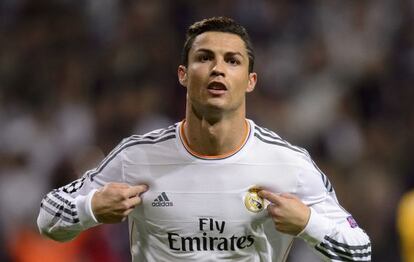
(335, 77)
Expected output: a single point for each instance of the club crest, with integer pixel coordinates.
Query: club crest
(252, 201)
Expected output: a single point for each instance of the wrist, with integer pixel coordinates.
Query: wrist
(316, 228)
(305, 220)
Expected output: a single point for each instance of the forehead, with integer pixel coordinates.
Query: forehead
(219, 42)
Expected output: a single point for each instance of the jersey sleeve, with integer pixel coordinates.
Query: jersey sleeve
(331, 231)
(67, 211)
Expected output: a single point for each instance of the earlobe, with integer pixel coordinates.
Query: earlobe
(182, 75)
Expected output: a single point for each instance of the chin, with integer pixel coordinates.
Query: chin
(216, 106)
(212, 107)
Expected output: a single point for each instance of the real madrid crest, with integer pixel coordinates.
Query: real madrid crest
(252, 201)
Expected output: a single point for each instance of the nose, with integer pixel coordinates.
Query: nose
(218, 69)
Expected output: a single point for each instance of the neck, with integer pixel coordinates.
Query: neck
(215, 136)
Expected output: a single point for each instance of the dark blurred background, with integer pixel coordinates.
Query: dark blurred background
(335, 77)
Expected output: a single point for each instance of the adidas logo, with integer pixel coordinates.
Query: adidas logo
(162, 201)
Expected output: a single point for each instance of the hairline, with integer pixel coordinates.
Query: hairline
(245, 44)
(209, 50)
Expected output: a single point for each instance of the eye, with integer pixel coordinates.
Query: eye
(204, 58)
(233, 61)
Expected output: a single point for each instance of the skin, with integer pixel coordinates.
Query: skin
(289, 214)
(115, 201)
(217, 80)
(213, 121)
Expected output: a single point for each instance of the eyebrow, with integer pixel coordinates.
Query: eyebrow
(211, 52)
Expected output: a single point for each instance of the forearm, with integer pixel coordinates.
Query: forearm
(67, 211)
(336, 240)
(63, 216)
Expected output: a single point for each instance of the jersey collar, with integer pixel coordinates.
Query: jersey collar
(184, 142)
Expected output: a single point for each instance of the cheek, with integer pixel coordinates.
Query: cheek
(242, 84)
(196, 76)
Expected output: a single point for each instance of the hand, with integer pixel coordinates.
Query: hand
(114, 202)
(290, 215)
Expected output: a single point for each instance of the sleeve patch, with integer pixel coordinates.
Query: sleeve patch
(352, 222)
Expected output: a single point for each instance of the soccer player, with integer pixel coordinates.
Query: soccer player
(405, 226)
(204, 188)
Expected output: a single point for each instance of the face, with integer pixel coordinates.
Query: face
(217, 77)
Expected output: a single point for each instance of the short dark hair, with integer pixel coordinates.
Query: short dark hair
(217, 24)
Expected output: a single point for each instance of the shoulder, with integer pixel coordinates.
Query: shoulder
(155, 136)
(152, 137)
(134, 142)
(274, 143)
(275, 148)
(131, 148)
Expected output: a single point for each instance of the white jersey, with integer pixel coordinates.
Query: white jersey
(202, 208)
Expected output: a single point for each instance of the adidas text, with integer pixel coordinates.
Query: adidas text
(162, 204)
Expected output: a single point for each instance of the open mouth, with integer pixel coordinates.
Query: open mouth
(216, 86)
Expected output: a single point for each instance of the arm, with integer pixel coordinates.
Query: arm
(100, 196)
(314, 215)
(334, 233)
(67, 211)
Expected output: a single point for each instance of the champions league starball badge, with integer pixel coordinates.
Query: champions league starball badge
(252, 201)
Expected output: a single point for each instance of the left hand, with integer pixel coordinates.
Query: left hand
(290, 215)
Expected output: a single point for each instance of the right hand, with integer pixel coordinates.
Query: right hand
(113, 203)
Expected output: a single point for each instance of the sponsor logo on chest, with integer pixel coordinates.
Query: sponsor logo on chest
(211, 237)
(212, 234)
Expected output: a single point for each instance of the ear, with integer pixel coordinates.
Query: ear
(252, 82)
(182, 75)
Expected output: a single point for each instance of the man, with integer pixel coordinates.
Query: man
(405, 226)
(203, 188)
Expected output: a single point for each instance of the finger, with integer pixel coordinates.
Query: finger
(133, 202)
(126, 213)
(136, 190)
(117, 185)
(271, 197)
